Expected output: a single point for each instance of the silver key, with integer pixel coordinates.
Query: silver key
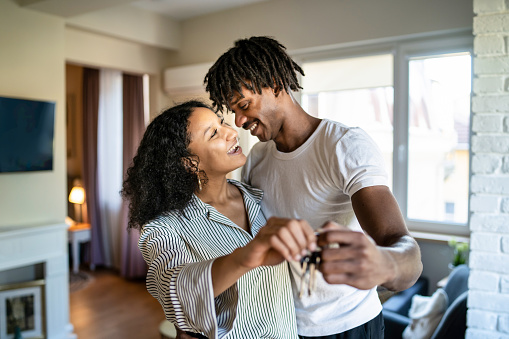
(308, 274)
(303, 275)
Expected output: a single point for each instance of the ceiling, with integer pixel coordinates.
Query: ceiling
(175, 9)
(185, 9)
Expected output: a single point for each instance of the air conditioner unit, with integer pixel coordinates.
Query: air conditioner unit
(185, 79)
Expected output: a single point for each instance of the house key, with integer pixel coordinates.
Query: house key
(308, 272)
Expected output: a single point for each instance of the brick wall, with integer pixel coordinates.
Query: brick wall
(488, 300)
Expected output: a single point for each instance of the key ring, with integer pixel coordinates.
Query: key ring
(309, 264)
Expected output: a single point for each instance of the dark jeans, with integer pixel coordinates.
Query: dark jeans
(373, 329)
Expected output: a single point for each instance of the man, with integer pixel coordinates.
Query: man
(327, 174)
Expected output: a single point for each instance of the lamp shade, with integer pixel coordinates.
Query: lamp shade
(77, 195)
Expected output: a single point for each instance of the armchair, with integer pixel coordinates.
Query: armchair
(453, 322)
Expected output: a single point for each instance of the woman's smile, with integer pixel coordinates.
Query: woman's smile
(235, 149)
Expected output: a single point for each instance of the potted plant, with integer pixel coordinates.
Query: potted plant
(460, 253)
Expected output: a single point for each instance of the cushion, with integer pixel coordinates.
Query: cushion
(401, 301)
(425, 315)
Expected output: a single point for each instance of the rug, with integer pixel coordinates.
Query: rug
(78, 281)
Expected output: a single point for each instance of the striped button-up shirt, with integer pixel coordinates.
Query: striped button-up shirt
(180, 249)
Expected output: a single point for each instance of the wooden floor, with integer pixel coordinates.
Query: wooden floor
(111, 307)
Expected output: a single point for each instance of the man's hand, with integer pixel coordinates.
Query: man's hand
(357, 262)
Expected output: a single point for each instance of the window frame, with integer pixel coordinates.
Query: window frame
(403, 50)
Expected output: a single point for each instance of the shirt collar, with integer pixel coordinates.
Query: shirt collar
(196, 208)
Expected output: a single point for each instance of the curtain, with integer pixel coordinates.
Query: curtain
(90, 121)
(132, 265)
(109, 163)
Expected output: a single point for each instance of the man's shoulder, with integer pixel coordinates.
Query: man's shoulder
(337, 128)
(335, 131)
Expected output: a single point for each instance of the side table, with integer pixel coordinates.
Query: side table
(77, 233)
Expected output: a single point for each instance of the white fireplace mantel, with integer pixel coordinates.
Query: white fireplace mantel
(22, 246)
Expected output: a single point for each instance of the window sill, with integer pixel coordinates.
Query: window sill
(440, 238)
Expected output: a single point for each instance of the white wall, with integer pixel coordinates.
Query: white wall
(302, 24)
(129, 22)
(488, 299)
(89, 48)
(32, 63)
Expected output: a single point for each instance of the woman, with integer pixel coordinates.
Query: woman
(213, 265)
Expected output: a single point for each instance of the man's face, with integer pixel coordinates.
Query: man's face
(258, 113)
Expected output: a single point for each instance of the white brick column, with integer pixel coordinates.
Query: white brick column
(488, 299)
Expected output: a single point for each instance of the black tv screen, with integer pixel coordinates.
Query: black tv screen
(26, 135)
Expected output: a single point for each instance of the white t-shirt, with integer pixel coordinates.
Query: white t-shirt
(315, 183)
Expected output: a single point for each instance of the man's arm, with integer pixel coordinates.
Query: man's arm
(389, 256)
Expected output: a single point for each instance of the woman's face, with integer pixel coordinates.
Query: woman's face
(214, 142)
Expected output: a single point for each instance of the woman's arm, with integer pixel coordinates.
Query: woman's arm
(172, 270)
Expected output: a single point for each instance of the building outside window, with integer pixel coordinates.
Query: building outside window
(438, 154)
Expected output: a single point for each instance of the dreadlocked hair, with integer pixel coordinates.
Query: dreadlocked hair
(254, 63)
(164, 174)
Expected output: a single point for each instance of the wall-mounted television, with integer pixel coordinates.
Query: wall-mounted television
(27, 129)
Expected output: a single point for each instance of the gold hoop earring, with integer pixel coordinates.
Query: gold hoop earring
(199, 185)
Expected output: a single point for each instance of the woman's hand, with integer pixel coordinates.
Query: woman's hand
(278, 240)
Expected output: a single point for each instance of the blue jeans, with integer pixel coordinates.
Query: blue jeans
(373, 329)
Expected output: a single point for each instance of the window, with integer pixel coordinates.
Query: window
(413, 98)
(438, 146)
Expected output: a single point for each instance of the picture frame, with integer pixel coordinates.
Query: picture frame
(22, 305)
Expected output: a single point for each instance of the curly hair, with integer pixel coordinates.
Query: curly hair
(164, 173)
(254, 63)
